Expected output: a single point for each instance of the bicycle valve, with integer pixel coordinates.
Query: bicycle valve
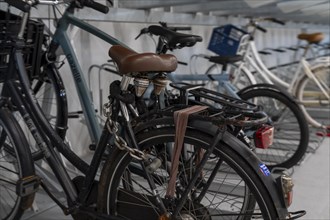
(140, 86)
(159, 85)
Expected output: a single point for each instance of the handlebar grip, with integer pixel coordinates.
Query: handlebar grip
(19, 4)
(97, 6)
(278, 21)
(261, 29)
(182, 63)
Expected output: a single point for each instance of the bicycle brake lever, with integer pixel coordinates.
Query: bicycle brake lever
(163, 24)
(143, 31)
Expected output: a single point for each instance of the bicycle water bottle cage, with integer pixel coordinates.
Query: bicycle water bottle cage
(174, 40)
(134, 64)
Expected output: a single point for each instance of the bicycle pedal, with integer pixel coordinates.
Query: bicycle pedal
(27, 185)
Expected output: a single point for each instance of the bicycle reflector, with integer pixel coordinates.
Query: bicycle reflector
(286, 184)
(324, 133)
(264, 137)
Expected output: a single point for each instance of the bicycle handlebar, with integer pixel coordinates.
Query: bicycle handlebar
(97, 6)
(254, 23)
(25, 7)
(261, 28)
(19, 4)
(275, 20)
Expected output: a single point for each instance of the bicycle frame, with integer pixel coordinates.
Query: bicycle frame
(252, 58)
(61, 39)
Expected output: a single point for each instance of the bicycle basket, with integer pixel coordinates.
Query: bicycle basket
(225, 40)
(33, 36)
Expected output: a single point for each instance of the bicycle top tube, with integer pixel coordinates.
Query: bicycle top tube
(69, 18)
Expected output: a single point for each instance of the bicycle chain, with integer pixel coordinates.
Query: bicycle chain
(118, 140)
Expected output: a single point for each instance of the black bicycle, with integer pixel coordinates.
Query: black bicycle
(209, 174)
(284, 113)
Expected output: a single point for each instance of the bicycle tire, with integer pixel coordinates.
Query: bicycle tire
(117, 165)
(285, 152)
(318, 103)
(15, 157)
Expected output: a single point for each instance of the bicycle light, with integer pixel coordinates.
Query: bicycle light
(264, 136)
(286, 186)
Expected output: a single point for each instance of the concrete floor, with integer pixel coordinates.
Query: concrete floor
(312, 183)
(311, 190)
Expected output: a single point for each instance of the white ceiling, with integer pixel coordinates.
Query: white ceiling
(312, 11)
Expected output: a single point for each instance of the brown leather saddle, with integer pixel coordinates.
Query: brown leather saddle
(132, 63)
(313, 38)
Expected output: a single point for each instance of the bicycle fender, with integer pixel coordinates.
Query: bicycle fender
(236, 145)
(267, 87)
(260, 168)
(262, 86)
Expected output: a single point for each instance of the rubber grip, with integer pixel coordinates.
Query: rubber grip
(261, 29)
(19, 4)
(98, 7)
(278, 21)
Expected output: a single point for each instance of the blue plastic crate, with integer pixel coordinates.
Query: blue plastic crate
(225, 40)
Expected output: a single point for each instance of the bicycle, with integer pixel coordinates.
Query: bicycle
(133, 148)
(49, 87)
(310, 88)
(285, 115)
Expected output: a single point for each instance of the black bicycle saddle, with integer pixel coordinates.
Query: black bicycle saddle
(175, 39)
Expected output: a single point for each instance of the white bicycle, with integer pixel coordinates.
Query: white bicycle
(310, 83)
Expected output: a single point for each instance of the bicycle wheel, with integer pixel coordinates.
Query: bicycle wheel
(15, 164)
(227, 189)
(291, 129)
(315, 103)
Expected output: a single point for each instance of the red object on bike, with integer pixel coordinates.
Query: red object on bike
(325, 133)
(264, 136)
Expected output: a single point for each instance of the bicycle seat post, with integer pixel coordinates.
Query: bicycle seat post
(24, 21)
(224, 69)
